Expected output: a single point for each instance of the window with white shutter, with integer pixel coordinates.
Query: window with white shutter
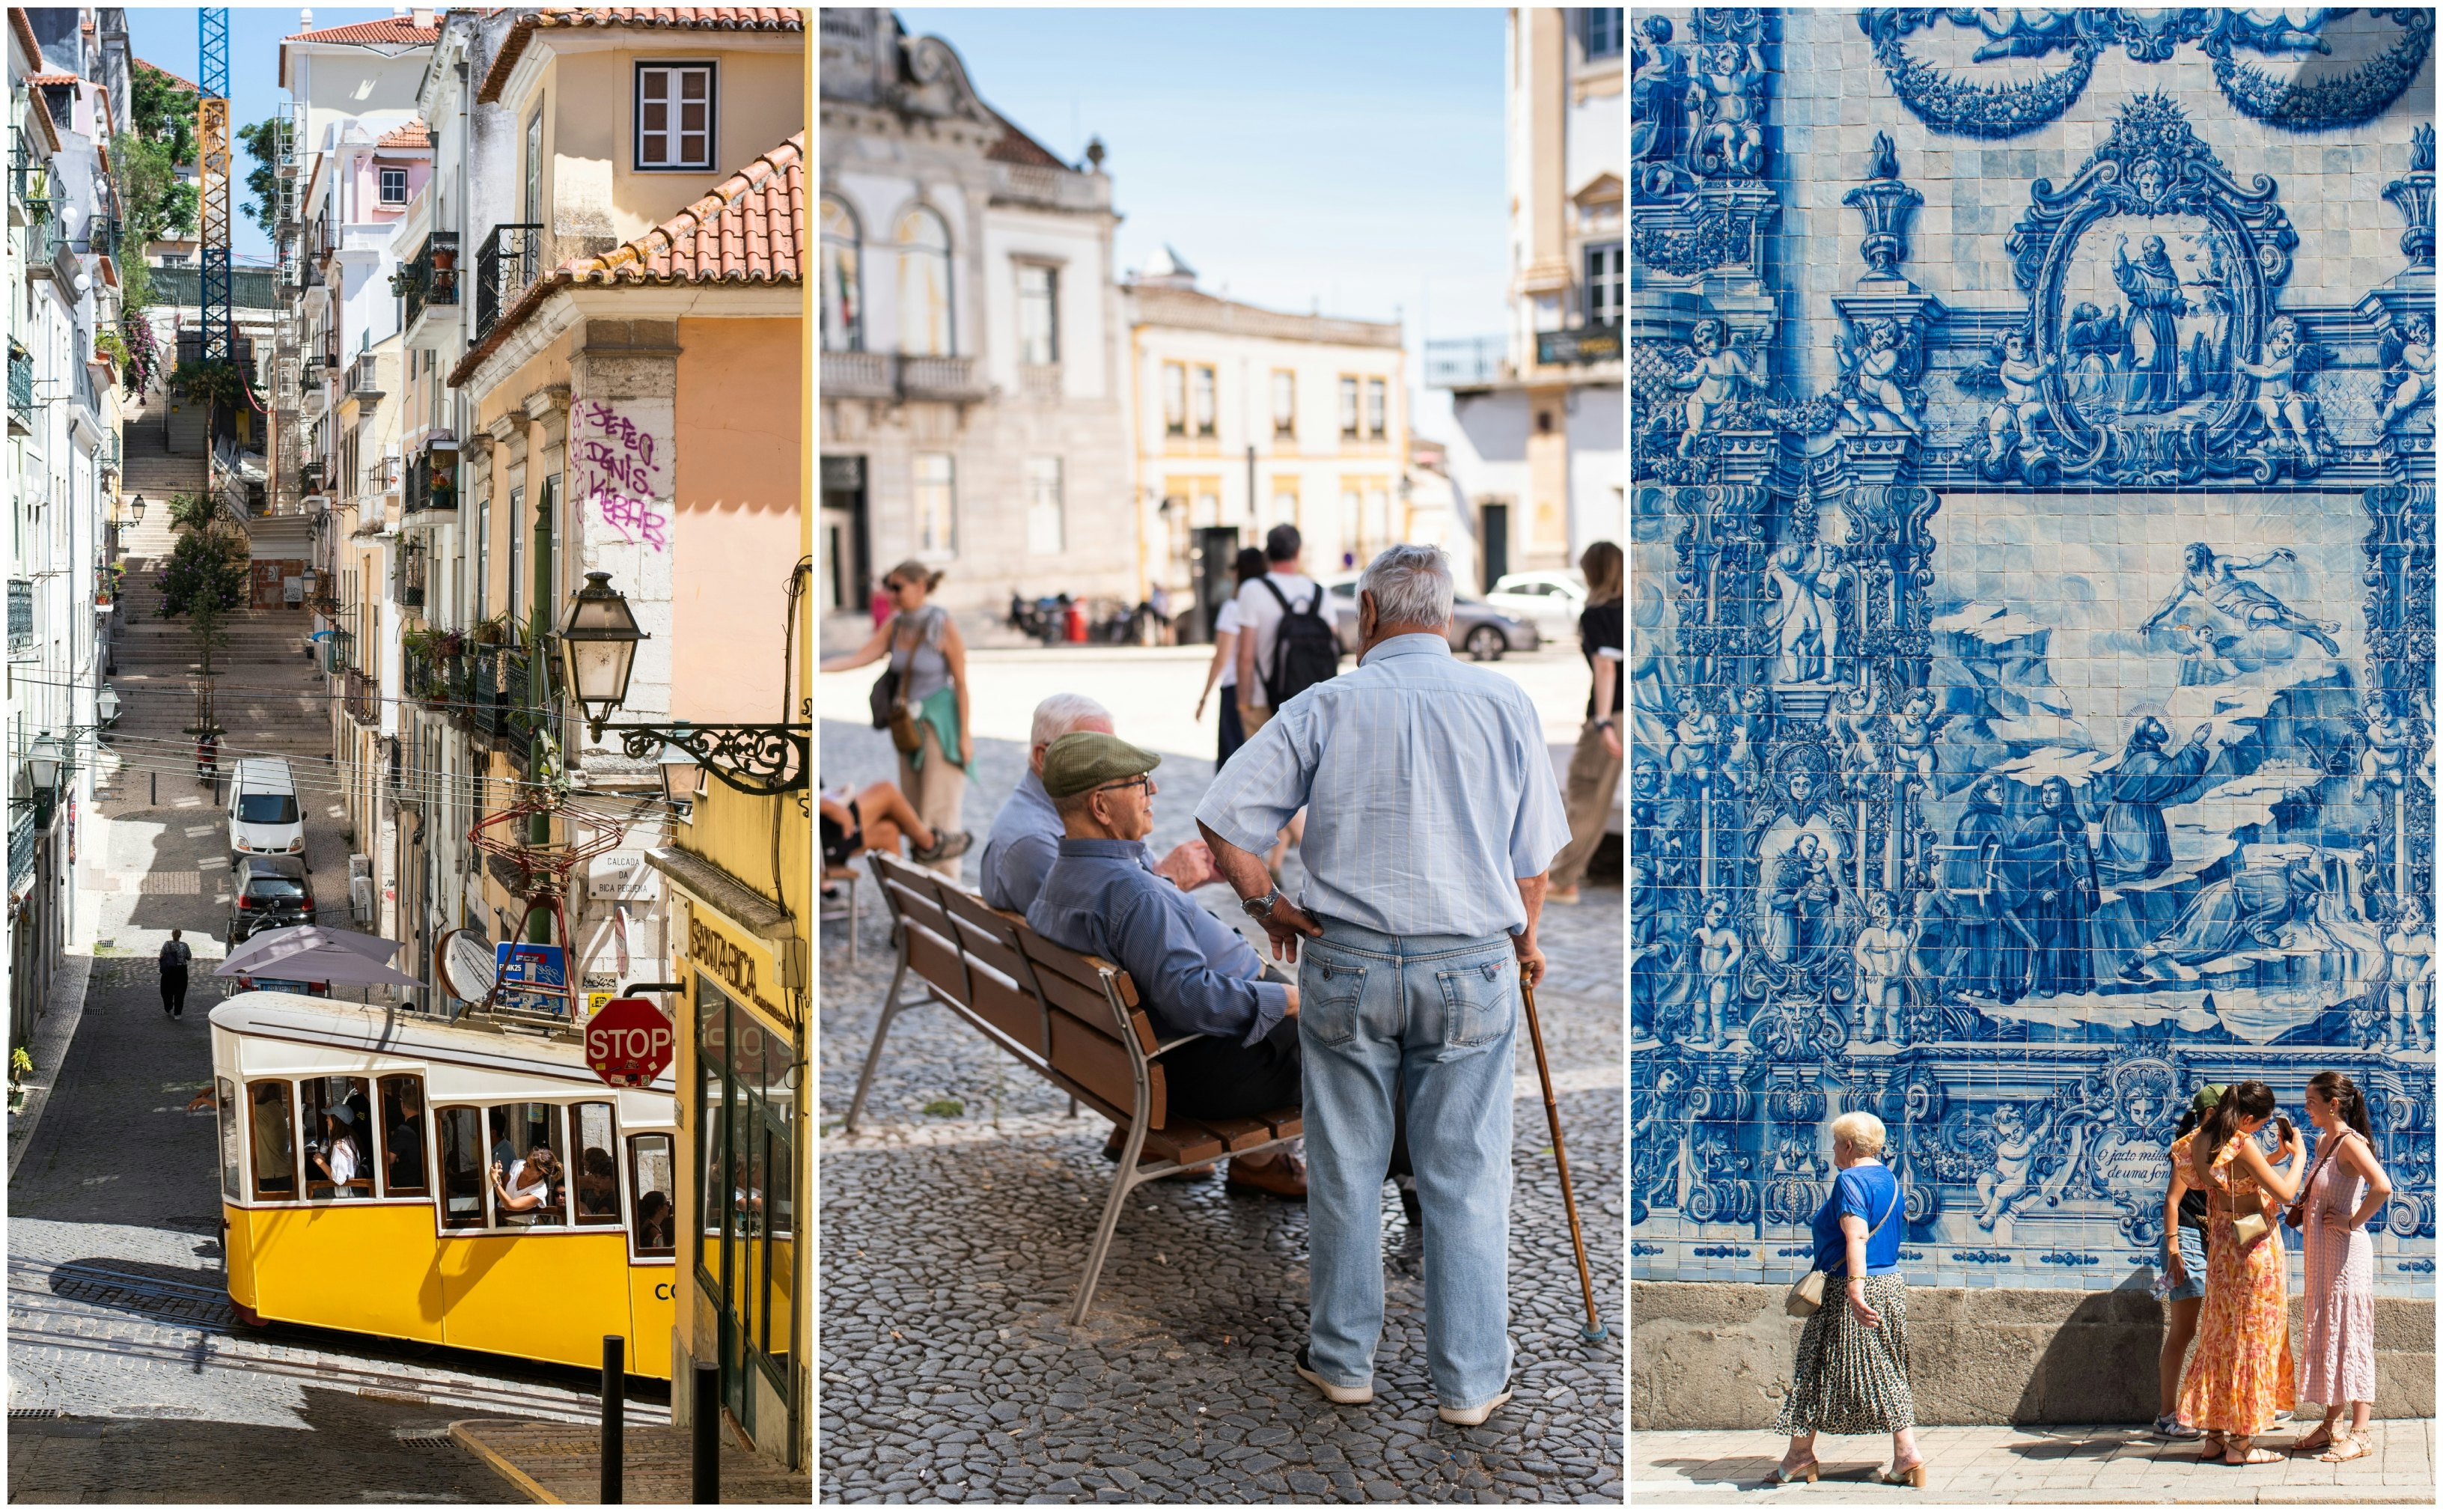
(674, 115)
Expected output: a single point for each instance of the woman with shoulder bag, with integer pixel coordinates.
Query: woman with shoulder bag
(2186, 1218)
(2345, 1190)
(921, 698)
(1851, 1374)
(2239, 1381)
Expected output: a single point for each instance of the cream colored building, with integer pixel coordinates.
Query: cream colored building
(1538, 415)
(1243, 418)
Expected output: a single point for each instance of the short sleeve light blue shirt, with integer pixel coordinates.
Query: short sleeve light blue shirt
(1428, 788)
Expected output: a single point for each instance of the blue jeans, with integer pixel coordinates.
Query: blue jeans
(1441, 1012)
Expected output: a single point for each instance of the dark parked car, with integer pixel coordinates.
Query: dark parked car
(269, 893)
(1477, 627)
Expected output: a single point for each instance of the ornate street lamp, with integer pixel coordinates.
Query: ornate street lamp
(106, 704)
(136, 511)
(43, 761)
(597, 651)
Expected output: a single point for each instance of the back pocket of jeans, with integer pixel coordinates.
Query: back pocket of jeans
(1332, 996)
(1480, 1000)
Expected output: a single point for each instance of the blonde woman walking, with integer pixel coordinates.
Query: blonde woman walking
(1851, 1374)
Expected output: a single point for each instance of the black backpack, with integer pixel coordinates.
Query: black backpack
(1305, 651)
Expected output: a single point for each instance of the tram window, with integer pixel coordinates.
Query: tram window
(339, 1119)
(650, 1170)
(233, 1152)
(714, 1189)
(463, 1167)
(275, 1143)
(594, 1176)
(529, 1178)
(403, 1125)
(779, 1253)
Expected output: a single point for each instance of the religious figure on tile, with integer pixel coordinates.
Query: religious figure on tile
(2409, 988)
(2003, 1187)
(1713, 377)
(1656, 104)
(1881, 953)
(2215, 580)
(1805, 614)
(1717, 950)
(2018, 376)
(2204, 656)
(1693, 738)
(2251, 909)
(2056, 878)
(2281, 397)
(1982, 898)
(2406, 360)
(1913, 731)
(2384, 763)
(2136, 841)
(1744, 728)
(2156, 304)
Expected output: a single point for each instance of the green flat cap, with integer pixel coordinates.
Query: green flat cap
(1089, 759)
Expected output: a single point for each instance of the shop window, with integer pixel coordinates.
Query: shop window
(402, 1129)
(465, 1173)
(651, 1178)
(529, 1172)
(275, 1143)
(338, 1117)
(232, 1151)
(594, 1176)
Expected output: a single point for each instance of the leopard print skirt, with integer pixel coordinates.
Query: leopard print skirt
(1849, 1378)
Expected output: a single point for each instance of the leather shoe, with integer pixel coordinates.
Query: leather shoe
(1275, 1178)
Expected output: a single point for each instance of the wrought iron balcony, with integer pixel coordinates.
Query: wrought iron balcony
(885, 375)
(432, 480)
(1580, 345)
(362, 698)
(21, 389)
(432, 275)
(508, 262)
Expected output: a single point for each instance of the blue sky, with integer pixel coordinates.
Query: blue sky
(166, 36)
(1349, 157)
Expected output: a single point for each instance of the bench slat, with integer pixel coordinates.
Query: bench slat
(1287, 1123)
(1237, 1134)
(1058, 960)
(989, 935)
(1006, 1005)
(937, 961)
(1099, 1062)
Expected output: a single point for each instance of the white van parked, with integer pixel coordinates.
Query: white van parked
(264, 813)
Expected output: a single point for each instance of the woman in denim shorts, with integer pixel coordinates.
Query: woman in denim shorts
(2184, 1267)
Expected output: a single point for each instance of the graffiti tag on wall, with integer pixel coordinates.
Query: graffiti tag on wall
(622, 473)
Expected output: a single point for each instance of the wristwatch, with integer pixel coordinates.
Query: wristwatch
(1260, 908)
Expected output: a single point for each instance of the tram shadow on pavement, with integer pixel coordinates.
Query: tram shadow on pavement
(340, 1447)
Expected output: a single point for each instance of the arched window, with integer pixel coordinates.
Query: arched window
(843, 272)
(925, 285)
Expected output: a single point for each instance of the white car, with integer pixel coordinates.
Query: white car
(1549, 600)
(263, 815)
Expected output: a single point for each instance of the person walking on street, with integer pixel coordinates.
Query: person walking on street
(1224, 670)
(176, 954)
(2346, 1189)
(1851, 1374)
(2185, 1217)
(1282, 605)
(930, 657)
(1434, 819)
(2239, 1381)
(1594, 767)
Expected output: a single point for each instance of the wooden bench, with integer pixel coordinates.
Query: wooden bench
(1073, 1020)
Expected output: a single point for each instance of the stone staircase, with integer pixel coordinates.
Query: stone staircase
(269, 698)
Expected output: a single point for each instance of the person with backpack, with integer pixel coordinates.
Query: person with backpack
(176, 954)
(1286, 645)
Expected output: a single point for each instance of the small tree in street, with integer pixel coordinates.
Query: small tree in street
(205, 580)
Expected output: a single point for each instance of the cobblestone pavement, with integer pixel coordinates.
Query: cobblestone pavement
(118, 1315)
(2051, 1464)
(952, 1245)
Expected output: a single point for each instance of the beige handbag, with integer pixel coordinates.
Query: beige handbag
(1806, 1298)
(2247, 1227)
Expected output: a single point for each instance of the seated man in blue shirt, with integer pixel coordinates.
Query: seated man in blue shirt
(1026, 833)
(1197, 975)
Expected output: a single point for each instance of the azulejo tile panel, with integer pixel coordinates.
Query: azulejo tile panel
(2033, 557)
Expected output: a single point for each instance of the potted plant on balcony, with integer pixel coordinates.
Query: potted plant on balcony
(403, 280)
(493, 632)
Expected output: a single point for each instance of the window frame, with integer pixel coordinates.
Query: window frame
(381, 185)
(675, 68)
(949, 483)
(360, 1187)
(422, 1190)
(1614, 278)
(905, 252)
(618, 1216)
(229, 1117)
(1284, 417)
(1351, 416)
(849, 248)
(1051, 306)
(1206, 425)
(1031, 481)
(288, 1102)
(638, 1249)
(482, 1222)
(1587, 39)
(1376, 415)
(1174, 392)
(558, 1143)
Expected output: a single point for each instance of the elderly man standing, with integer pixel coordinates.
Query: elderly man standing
(1432, 818)
(1025, 835)
(1198, 976)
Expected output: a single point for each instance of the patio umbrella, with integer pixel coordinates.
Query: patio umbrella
(373, 948)
(300, 960)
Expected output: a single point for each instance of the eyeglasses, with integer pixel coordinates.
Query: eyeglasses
(1144, 780)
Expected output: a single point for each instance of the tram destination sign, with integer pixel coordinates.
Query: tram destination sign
(629, 1043)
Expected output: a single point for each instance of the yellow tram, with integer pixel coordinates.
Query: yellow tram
(379, 1174)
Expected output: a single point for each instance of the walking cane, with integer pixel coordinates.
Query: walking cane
(1594, 1331)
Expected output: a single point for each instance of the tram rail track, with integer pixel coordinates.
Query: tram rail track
(43, 1315)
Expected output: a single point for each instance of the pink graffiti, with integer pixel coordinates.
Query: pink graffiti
(633, 518)
(619, 454)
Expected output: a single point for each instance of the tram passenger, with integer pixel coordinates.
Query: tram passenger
(335, 1154)
(405, 1153)
(654, 1221)
(525, 1192)
(597, 1184)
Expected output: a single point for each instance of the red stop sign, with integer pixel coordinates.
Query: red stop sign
(629, 1043)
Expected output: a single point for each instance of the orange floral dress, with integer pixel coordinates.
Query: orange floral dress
(2239, 1379)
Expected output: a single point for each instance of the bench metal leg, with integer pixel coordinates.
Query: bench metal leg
(1103, 1232)
(1073, 1107)
(890, 1007)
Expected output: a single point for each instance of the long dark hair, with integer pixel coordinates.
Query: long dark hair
(2243, 1099)
(1250, 565)
(2347, 1100)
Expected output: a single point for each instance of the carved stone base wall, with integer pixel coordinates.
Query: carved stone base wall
(1717, 1355)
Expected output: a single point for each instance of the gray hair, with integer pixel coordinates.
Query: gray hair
(1411, 585)
(1061, 713)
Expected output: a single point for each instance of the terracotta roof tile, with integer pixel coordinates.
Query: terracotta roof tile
(187, 85)
(51, 79)
(1016, 146)
(24, 27)
(749, 229)
(390, 28)
(658, 18)
(415, 134)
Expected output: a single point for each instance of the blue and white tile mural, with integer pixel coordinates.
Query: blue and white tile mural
(2032, 601)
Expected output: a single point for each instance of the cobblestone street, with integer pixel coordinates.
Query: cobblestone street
(952, 1241)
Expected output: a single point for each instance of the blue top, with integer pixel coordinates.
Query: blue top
(1428, 790)
(1194, 973)
(1025, 841)
(1868, 1190)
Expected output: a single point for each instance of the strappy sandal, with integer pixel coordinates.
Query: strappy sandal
(2249, 1453)
(2344, 1448)
(2319, 1438)
(1783, 1474)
